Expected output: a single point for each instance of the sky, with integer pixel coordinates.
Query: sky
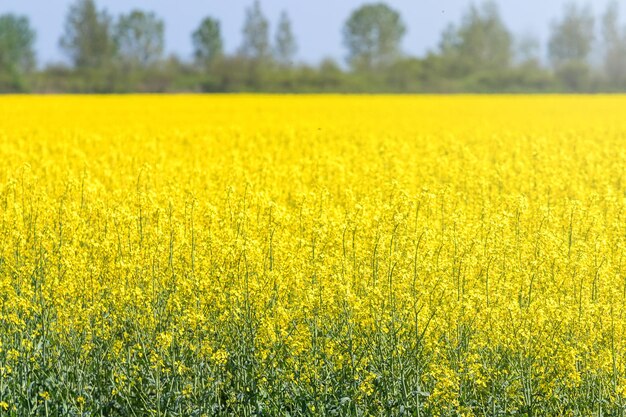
(317, 24)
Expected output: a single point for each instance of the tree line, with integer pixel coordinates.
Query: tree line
(106, 54)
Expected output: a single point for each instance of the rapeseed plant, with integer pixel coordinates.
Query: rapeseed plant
(314, 255)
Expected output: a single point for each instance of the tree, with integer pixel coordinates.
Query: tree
(481, 42)
(207, 41)
(570, 44)
(285, 46)
(16, 44)
(87, 36)
(372, 35)
(17, 56)
(139, 38)
(255, 43)
(615, 47)
(571, 39)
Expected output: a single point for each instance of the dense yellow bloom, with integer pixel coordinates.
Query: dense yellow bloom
(330, 255)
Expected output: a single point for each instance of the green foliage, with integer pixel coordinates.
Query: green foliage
(207, 41)
(16, 43)
(16, 52)
(285, 44)
(572, 37)
(569, 47)
(614, 38)
(255, 45)
(372, 35)
(87, 38)
(139, 38)
(481, 42)
(478, 54)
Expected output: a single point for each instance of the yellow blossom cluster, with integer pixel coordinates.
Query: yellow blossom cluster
(313, 255)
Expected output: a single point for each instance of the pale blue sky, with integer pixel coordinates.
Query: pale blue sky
(317, 23)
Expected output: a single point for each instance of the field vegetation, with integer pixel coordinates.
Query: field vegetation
(312, 255)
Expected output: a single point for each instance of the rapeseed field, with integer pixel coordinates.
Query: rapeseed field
(312, 256)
